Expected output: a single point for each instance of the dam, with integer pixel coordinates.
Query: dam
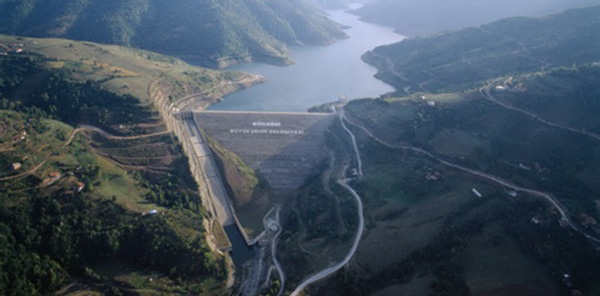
(283, 149)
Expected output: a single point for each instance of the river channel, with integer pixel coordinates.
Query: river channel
(320, 74)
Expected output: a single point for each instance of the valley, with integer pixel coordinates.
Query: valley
(128, 172)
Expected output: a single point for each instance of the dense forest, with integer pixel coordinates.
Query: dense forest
(46, 241)
(214, 33)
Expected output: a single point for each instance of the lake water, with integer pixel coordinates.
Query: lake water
(321, 73)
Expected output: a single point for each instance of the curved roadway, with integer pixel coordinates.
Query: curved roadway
(274, 253)
(486, 94)
(550, 198)
(361, 222)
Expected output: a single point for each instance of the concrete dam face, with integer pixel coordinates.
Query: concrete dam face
(283, 148)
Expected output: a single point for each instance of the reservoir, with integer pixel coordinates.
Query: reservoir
(320, 74)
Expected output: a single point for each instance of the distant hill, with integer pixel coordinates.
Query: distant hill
(422, 17)
(215, 33)
(466, 58)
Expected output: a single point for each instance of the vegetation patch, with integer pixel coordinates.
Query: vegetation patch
(77, 201)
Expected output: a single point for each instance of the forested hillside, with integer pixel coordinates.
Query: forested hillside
(466, 58)
(110, 206)
(212, 32)
(422, 17)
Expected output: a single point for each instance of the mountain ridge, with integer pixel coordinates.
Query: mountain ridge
(421, 18)
(465, 58)
(209, 32)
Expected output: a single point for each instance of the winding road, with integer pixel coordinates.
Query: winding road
(274, 252)
(41, 163)
(547, 196)
(358, 160)
(113, 137)
(486, 94)
(361, 221)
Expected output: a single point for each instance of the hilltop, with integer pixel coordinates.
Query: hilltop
(210, 32)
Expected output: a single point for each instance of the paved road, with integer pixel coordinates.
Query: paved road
(342, 116)
(184, 100)
(361, 222)
(328, 271)
(177, 105)
(269, 225)
(547, 196)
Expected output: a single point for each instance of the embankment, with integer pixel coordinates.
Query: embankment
(158, 91)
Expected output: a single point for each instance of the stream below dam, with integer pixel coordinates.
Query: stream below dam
(320, 74)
